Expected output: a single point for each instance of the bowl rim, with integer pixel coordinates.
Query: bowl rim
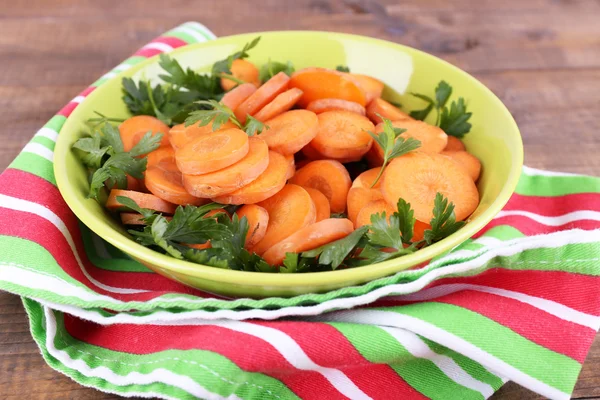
(290, 281)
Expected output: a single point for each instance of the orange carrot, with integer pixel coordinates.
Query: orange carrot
(342, 134)
(466, 160)
(419, 231)
(258, 221)
(144, 200)
(180, 135)
(133, 183)
(372, 87)
(374, 207)
(366, 179)
(417, 177)
(263, 96)
(230, 179)
(358, 198)
(330, 178)
(134, 128)
(322, 83)
(215, 212)
(162, 153)
(165, 181)
(212, 152)
(279, 104)
(386, 110)
(289, 210)
(290, 131)
(292, 166)
(237, 95)
(323, 105)
(308, 238)
(199, 246)
(266, 185)
(128, 218)
(454, 144)
(243, 70)
(321, 203)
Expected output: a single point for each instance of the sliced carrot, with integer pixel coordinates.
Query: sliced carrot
(308, 238)
(215, 212)
(231, 178)
(454, 144)
(372, 87)
(133, 183)
(417, 178)
(374, 207)
(258, 221)
(164, 180)
(129, 218)
(322, 83)
(180, 135)
(343, 134)
(292, 166)
(386, 110)
(162, 153)
(323, 105)
(279, 104)
(134, 128)
(358, 198)
(329, 177)
(419, 231)
(263, 96)
(311, 153)
(199, 246)
(143, 200)
(290, 131)
(266, 185)
(212, 152)
(243, 70)
(289, 210)
(321, 203)
(237, 95)
(366, 179)
(467, 160)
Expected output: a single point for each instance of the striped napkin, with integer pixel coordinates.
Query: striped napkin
(520, 301)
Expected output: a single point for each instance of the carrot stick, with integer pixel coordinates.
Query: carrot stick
(134, 128)
(323, 105)
(289, 210)
(279, 104)
(290, 131)
(321, 203)
(266, 185)
(385, 110)
(263, 96)
(322, 83)
(164, 180)
(466, 160)
(212, 152)
(258, 221)
(454, 144)
(230, 179)
(144, 200)
(372, 87)
(358, 198)
(180, 135)
(330, 178)
(417, 178)
(343, 134)
(308, 238)
(374, 207)
(243, 70)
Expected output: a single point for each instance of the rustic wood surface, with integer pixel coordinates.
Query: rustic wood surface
(541, 57)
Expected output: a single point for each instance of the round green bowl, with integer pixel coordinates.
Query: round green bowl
(494, 139)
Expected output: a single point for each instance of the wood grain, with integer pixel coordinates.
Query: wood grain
(541, 57)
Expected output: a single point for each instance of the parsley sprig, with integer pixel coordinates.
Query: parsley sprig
(272, 68)
(219, 114)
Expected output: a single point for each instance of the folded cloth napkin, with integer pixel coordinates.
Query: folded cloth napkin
(520, 301)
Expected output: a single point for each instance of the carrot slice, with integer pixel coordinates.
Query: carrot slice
(245, 71)
(237, 95)
(372, 87)
(180, 135)
(308, 238)
(134, 128)
(322, 83)
(366, 179)
(343, 134)
(266, 185)
(132, 218)
(133, 183)
(289, 210)
(358, 198)
(454, 144)
(212, 152)
(144, 200)
(231, 178)
(467, 160)
(321, 203)
(417, 178)
(374, 207)
(386, 110)
(156, 156)
(263, 96)
(290, 131)
(258, 221)
(164, 180)
(292, 166)
(279, 104)
(419, 231)
(323, 105)
(329, 177)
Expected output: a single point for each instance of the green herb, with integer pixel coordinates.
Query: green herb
(220, 114)
(272, 68)
(342, 68)
(338, 215)
(392, 144)
(334, 253)
(443, 223)
(224, 66)
(254, 126)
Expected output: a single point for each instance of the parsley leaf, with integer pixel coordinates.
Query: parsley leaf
(335, 252)
(443, 222)
(406, 220)
(272, 68)
(422, 114)
(224, 66)
(219, 114)
(384, 233)
(454, 121)
(254, 126)
(342, 68)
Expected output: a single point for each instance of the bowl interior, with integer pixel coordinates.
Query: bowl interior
(494, 139)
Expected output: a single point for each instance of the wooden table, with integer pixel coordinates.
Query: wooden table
(541, 57)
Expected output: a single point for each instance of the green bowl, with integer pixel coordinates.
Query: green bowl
(494, 139)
